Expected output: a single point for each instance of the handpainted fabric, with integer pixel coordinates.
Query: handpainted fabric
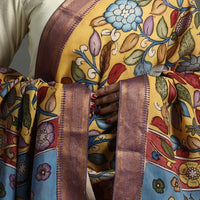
(153, 46)
(39, 129)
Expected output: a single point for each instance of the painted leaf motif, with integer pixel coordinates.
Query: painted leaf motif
(195, 127)
(115, 72)
(176, 77)
(142, 3)
(135, 57)
(4, 91)
(2, 190)
(162, 29)
(193, 142)
(11, 97)
(196, 98)
(176, 116)
(158, 122)
(143, 68)
(9, 121)
(98, 21)
(183, 93)
(51, 103)
(180, 3)
(42, 94)
(105, 57)
(192, 79)
(162, 87)
(198, 115)
(197, 20)
(162, 53)
(174, 17)
(95, 43)
(183, 24)
(172, 93)
(77, 72)
(148, 25)
(157, 70)
(171, 51)
(184, 109)
(97, 159)
(130, 42)
(187, 44)
(101, 123)
(26, 111)
(158, 7)
(175, 142)
(167, 148)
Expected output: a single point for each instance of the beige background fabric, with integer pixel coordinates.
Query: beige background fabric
(18, 18)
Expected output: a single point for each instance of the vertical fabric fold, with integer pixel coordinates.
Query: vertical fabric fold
(72, 156)
(131, 138)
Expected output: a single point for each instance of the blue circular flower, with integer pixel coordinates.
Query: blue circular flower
(124, 14)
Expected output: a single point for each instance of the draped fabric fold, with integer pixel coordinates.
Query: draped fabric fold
(41, 125)
(50, 139)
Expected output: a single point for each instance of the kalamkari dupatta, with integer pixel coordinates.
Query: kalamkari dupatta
(44, 125)
(61, 26)
(158, 140)
(43, 138)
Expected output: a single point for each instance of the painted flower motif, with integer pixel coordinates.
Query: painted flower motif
(158, 185)
(2, 190)
(124, 14)
(176, 184)
(12, 181)
(190, 174)
(45, 136)
(143, 68)
(192, 64)
(43, 172)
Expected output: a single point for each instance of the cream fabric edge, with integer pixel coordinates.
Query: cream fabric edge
(38, 13)
(89, 190)
(21, 17)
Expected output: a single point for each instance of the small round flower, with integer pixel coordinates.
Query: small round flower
(45, 136)
(189, 174)
(12, 181)
(43, 172)
(158, 185)
(124, 14)
(176, 184)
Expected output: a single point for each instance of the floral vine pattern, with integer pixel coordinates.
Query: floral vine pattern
(16, 150)
(134, 37)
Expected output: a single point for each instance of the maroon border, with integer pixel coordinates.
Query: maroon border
(131, 138)
(55, 35)
(73, 143)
